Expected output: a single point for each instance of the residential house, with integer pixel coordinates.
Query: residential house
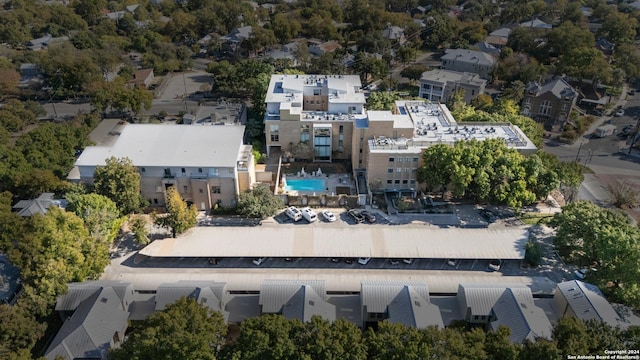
(296, 299)
(30, 70)
(117, 15)
(142, 78)
(210, 294)
(207, 165)
(536, 24)
(39, 205)
(441, 85)
(498, 38)
(394, 33)
(318, 48)
(44, 42)
(239, 35)
(585, 302)
(463, 60)
(10, 282)
(517, 311)
(605, 46)
(485, 47)
(550, 103)
(98, 321)
(420, 10)
(406, 303)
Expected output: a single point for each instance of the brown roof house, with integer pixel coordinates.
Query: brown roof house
(143, 78)
(549, 103)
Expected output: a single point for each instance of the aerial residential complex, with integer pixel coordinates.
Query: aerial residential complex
(206, 164)
(327, 112)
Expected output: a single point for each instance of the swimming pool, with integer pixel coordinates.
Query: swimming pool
(305, 185)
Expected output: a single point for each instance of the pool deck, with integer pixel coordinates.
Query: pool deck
(332, 181)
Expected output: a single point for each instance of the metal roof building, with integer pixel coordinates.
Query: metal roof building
(211, 294)
(326, 241)
(476, 300)
(296, 299)
(515, 310)
(585, 302)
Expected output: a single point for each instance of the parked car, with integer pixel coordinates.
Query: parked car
(309, 215)
(581, 274)
(452, 262)
(349, 260)
(494, 265)
(619, 112)
(356, 215)
(259, 261)
(364, 261)
(394, 261)
(369, 216)
(293, 213)
(329, 216)
(407, 261)
(335, 260)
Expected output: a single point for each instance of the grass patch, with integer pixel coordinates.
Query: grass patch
(535, 218)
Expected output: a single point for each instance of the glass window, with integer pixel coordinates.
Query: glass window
(399, 159)
(200, 170)
(412, 182)
(341, 129)
(391, 159)
(390, 170)
(185, 188)
(274, 130)
(405, 182)
(545, 107)
(415, 160)
(389, 182)
(397, 182)
(215, 189)
(183, 170)
(143, 169)
(407, 159)
(399, 170)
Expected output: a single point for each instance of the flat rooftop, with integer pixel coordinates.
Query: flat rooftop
(374, 241)
(170, 145)
(285, 88)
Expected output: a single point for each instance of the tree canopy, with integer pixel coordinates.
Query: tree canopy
(100, 215)
(119, 181)
(180, 217)
(185, 330)
(258, 202)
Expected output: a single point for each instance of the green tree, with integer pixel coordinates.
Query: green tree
(185, 330)
(379, 100)
(619, 28)
(258, 202)
(119, 180)
(266, 337)
(179, 217)
(571, 336)
(413, 72)
(99, 213)
(138, 226)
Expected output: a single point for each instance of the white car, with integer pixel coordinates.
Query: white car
(293, 213)
(581, 274)
(619, 112)
(329, 216)
(364, 261)
(259, 261)
(309, 215)
(494, 265)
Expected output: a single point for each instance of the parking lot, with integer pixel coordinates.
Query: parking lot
(342, 219)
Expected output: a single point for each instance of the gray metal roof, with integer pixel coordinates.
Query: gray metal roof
(412, 309)
(89, 332)
(79, 292)
(171, 146)
(10, 282)
(559, 88)
(377, 295)
(588, 303)
(274, 294)
(305, 304)
(212, 294)
(480, 298)
(516, 311)
(326, 241)
(469, 56)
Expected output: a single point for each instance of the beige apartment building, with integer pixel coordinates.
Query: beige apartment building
(315, 113)
(207, 164)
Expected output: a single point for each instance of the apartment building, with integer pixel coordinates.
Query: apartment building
(208, 165)
(550, 103)
(440, 85)
(464, 60)
(393, 142)
(316, 110)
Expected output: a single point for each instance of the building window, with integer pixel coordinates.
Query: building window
(405, 182)
(155, 201)
(545, 107)
(304, 134)
(341, 129)
(143, 170)
(565, 107)
(167, 172)
(230, 170)
(183, 170)
(389, 182)
(412, 182)
(185, 188)
(200, 170)
(275, 133)
(415, 160)
(391, 159)
(406, 170)
(215, 189)
(317, 92)
(397, 181)
(399, 170)
(399, 159)
(527, 100)
(200, 191)
(390, 170)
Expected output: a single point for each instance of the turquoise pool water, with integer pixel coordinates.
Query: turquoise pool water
(305, 185)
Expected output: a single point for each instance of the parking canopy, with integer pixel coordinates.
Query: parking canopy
(358, 241)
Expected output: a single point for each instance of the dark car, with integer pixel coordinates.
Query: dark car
(349, 260)
(356, 215)
(369, 216)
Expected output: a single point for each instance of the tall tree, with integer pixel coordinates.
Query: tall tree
(100, 215)
(119, 180)
(185, 330)
(180, 217)
(258, 202)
